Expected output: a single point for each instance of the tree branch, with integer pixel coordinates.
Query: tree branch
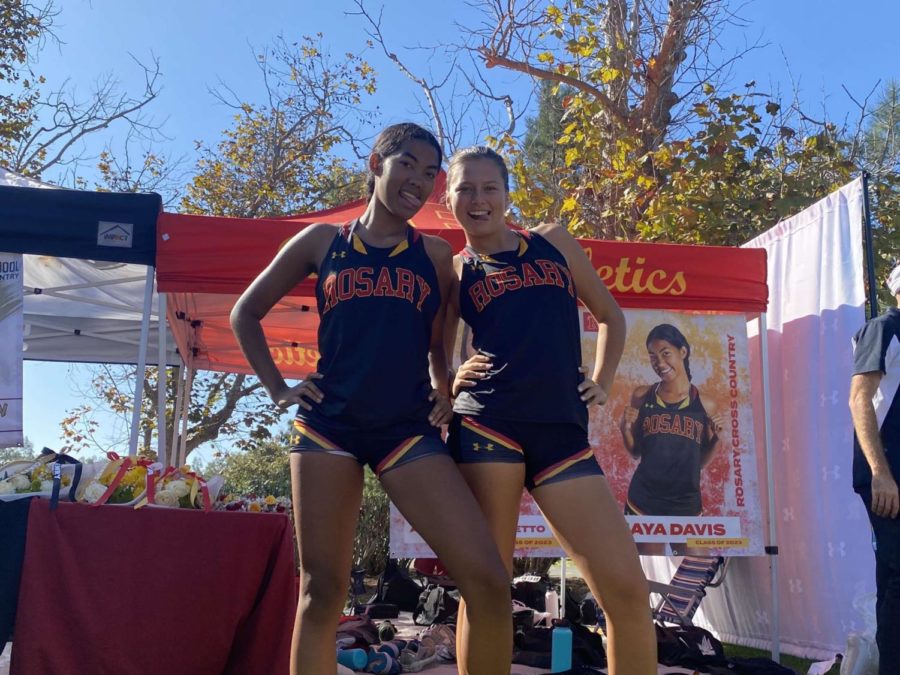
(492, 60)
(427, 89)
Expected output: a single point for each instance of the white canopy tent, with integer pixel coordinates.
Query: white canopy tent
(88, 276)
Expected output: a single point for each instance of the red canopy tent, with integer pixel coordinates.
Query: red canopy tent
(204, 263)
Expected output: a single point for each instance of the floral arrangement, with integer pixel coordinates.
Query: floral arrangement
(122, 481)
(185, 489)
(254, 504)
(33, 477)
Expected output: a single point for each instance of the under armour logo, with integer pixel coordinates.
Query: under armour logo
(786, 445)
(841, 549)
(795, 585)
(762, 617)
(833, 398)
(336, 254)
(835, 472)
(823, 327)
(706, 647)
(787, 513)
(477, 447)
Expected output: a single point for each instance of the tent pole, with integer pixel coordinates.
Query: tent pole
(562, 588)
(176, 416)
(185, 406)
(869, 243)
(141, 364)
(161, 381)
(772, 548)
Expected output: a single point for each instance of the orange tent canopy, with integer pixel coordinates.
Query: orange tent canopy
(204, 263)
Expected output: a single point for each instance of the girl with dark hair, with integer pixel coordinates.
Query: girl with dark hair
(669, 430)
(374, 400)
(522, 399)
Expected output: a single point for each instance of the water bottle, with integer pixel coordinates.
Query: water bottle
(561, 649)
(354, 659)
(551, 604)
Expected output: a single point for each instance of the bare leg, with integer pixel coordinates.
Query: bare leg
(497, 487)
(589, 524)
(327, 492)
(434, 498)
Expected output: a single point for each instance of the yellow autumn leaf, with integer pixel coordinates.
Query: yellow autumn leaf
(608, 74)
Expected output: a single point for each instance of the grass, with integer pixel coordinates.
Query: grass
(795, 662)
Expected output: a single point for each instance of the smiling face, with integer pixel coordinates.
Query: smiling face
(477, 196)
(666, 359)
(404, 179)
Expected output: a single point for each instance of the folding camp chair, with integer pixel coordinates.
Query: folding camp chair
(680, 598)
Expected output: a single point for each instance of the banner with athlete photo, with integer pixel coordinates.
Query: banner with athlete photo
(533, 537)
(11, 330)
(675, 439)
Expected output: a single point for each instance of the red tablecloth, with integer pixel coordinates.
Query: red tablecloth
(114, 590)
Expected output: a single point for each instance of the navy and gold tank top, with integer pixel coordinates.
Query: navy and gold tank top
(522, 309)
(669, 438)
(376, 308)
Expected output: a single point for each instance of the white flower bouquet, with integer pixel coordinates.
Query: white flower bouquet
(34, 478)
(121, 480)
(185, 489)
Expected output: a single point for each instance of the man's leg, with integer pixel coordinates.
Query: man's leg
(887, 582)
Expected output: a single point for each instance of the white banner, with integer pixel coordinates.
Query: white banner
(826, 565)
(11, 330)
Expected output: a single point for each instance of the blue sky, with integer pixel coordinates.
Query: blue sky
(816, 45)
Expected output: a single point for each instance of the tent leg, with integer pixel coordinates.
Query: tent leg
(176, 416)
(185, 406)
(141, 364)
(562, 587)
(772, 548)
(161, 382)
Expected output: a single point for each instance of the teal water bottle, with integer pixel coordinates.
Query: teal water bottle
(561, 649)
(354, 659)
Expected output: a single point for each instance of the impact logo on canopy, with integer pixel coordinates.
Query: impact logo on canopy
(120, 235)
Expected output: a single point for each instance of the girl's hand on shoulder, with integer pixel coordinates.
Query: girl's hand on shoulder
(299, 393)
(630, 415)
(591, 392)
(471, 372)
(442, 411)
